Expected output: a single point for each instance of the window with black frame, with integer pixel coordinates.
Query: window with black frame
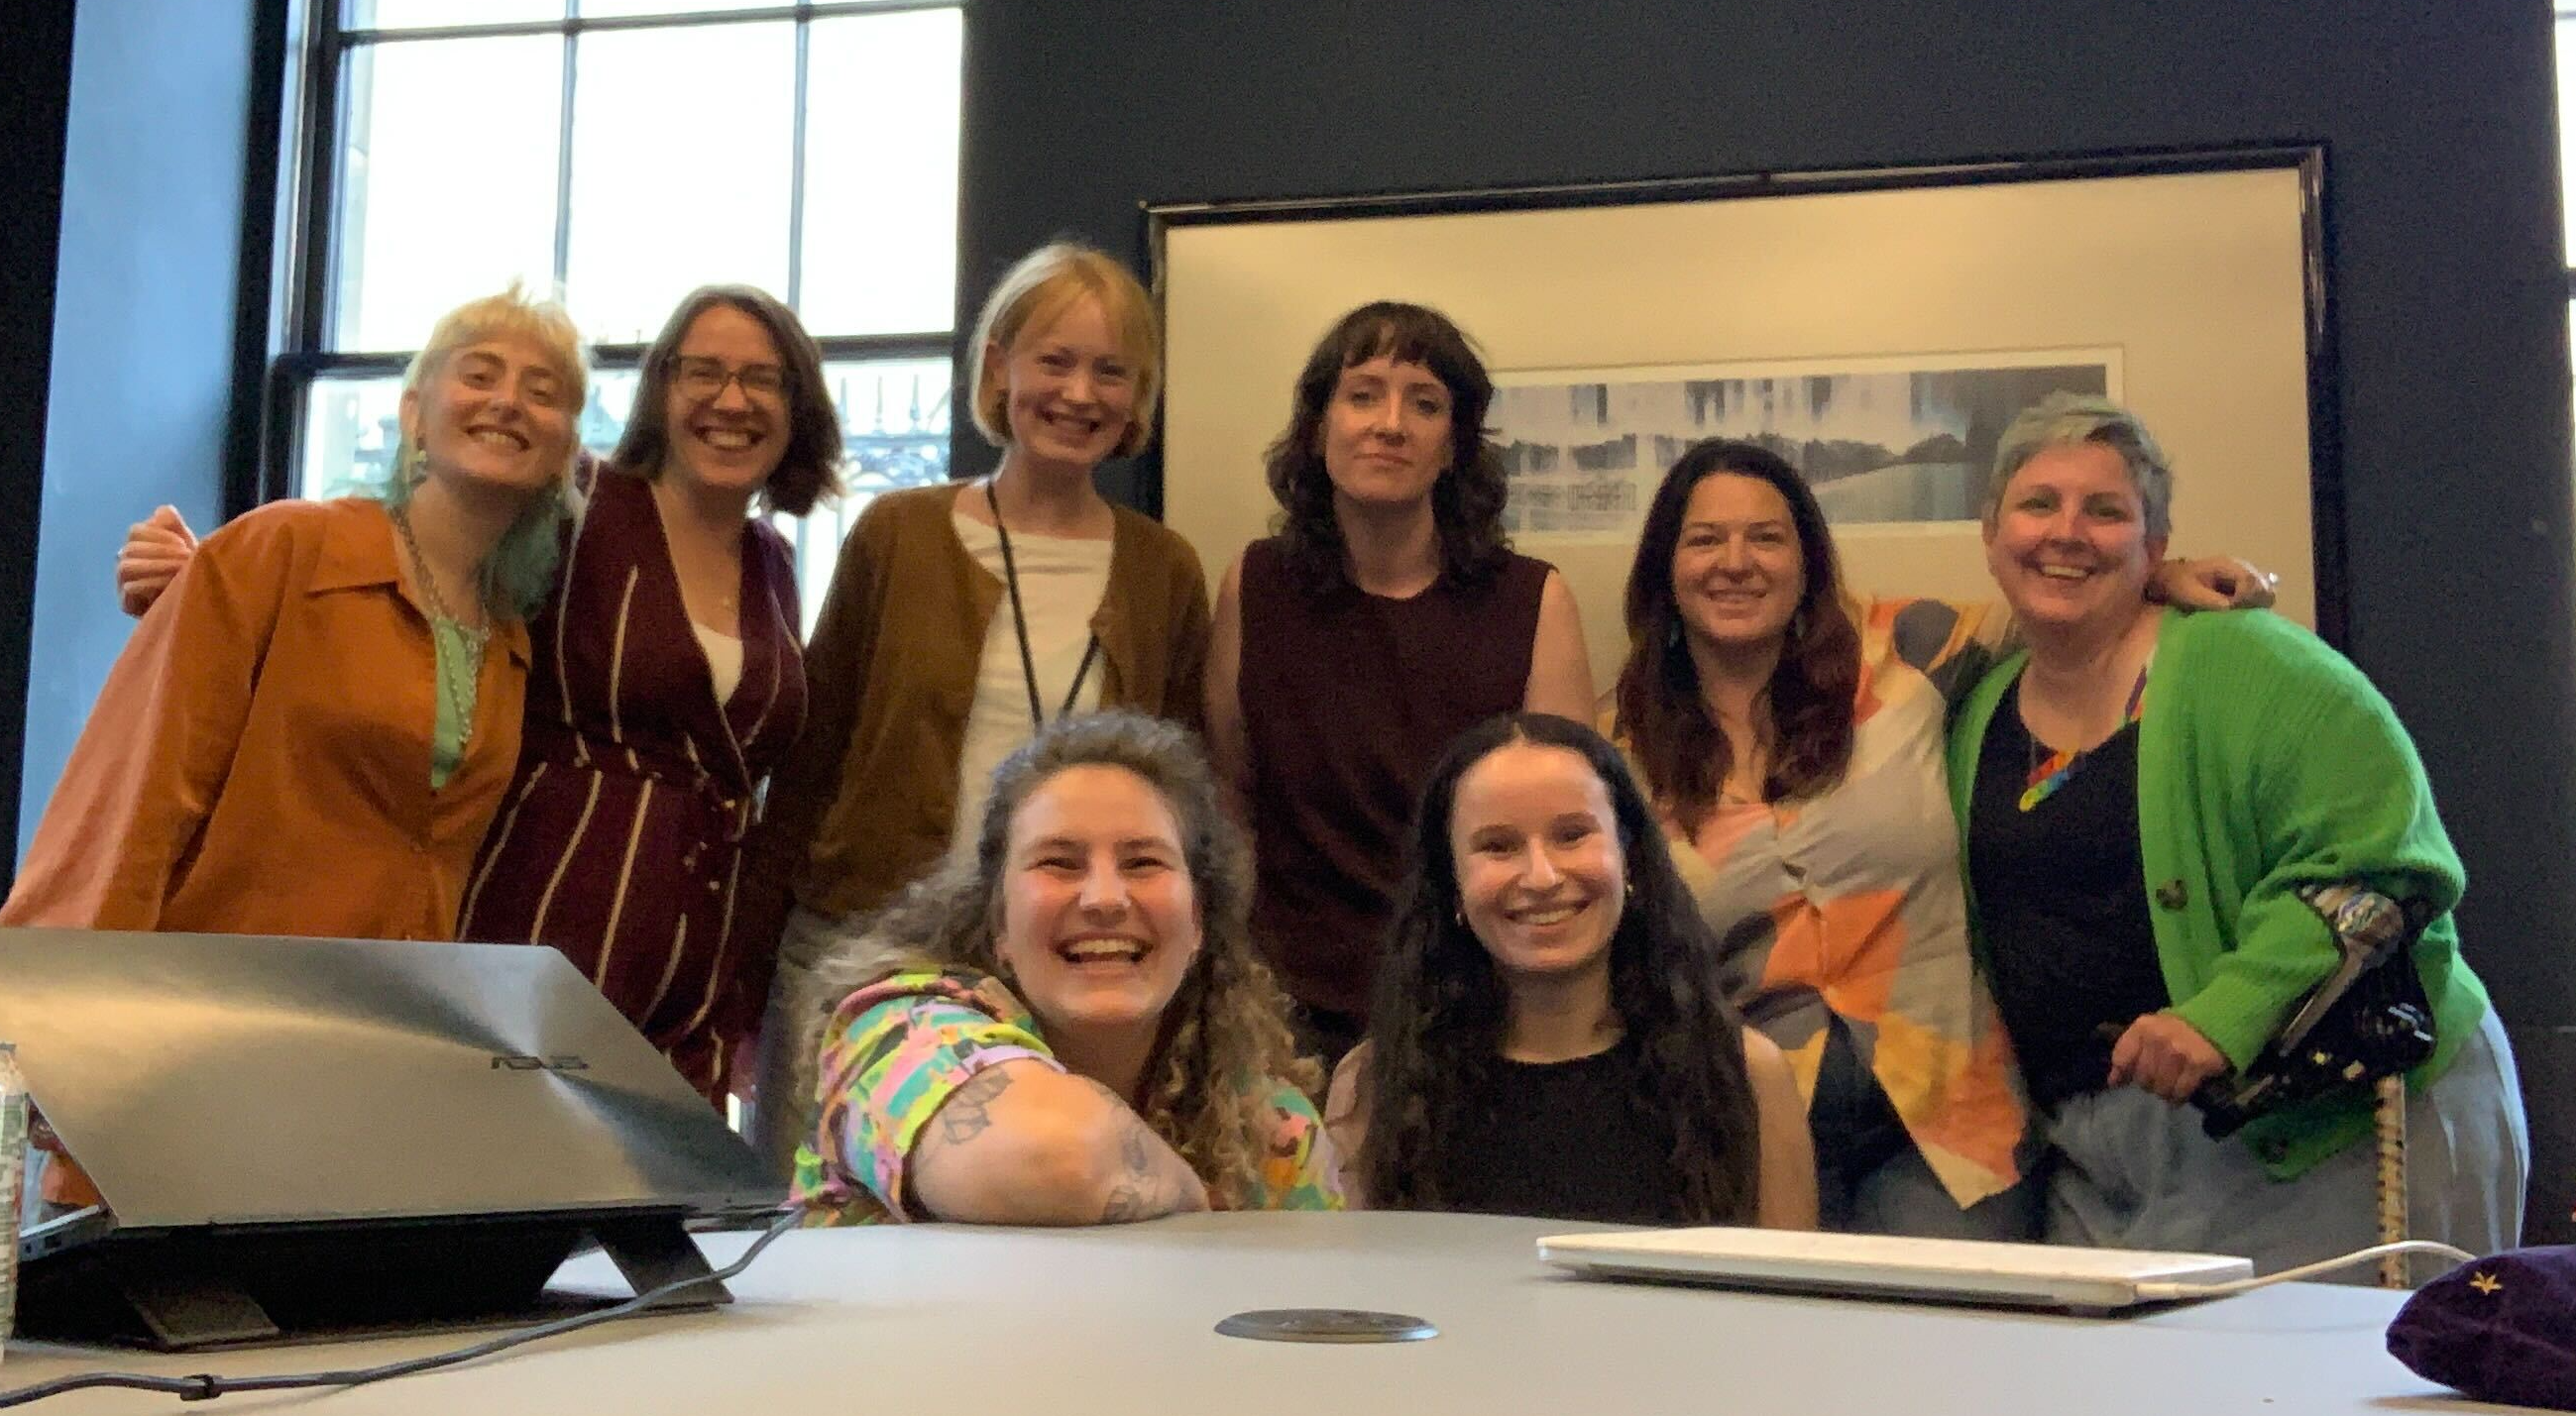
(624, 152)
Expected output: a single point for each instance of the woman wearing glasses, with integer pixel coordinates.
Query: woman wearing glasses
(665, 683)
(963, 617)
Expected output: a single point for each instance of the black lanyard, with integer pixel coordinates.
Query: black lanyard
(1020, 624)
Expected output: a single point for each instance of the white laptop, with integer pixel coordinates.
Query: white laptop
(1874, 1266)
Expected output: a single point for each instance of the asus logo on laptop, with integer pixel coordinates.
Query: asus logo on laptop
(522, 1062)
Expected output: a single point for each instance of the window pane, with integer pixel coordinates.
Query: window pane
(596, 9)
(352, 428)
(350, 431)
(881, 173)
(418, 14)
(681, 154)
(442, 201)
(894, 433)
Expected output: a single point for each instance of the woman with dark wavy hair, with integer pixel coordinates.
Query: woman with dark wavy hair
(1387, 614)
(1791, 737)
(1550, 1036)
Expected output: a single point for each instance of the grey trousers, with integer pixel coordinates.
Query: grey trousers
(2129, 1171)
(783, 1107)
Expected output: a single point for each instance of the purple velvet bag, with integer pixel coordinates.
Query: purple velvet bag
(2501, 1329)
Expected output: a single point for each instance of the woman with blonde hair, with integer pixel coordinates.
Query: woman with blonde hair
(311, 731)
(666, 681)
(1067, 1024)
(961, 618)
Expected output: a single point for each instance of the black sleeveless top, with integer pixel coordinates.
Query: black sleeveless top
(1348, 699)
(1563, 1140)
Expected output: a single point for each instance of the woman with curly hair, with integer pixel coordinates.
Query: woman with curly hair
(1386, 615)
(1550, 1037)
(1069, 1025)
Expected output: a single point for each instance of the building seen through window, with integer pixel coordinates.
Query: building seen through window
(624, 152)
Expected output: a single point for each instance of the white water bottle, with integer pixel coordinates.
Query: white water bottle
(13, 1180)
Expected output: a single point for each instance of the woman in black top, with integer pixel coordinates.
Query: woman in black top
(1548, 1037)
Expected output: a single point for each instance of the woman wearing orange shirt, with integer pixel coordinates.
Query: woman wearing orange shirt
(311, 730)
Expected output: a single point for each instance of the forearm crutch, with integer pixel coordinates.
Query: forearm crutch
(2391, 1128)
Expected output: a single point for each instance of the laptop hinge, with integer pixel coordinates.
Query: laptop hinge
(654, 1249)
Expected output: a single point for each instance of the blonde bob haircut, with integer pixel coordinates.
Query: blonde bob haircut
(520, 571)
(1033, 295)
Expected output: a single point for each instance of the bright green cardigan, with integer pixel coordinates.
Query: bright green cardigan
(2266, 761)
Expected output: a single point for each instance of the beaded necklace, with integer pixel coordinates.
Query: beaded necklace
(2049, 773)
(459, 688)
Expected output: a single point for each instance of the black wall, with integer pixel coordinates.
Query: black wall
(2444, 234)
(146, 400)
(37, 34)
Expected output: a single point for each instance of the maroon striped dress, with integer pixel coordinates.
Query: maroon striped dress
(621, 839)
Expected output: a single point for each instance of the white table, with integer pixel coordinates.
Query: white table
(939, 1319)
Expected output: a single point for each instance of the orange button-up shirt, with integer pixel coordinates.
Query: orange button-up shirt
(259, 760)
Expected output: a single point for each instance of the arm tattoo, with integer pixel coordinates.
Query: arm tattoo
(967, 1113)
(1149, 1186)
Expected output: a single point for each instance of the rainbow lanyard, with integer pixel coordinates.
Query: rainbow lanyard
(2048, 775)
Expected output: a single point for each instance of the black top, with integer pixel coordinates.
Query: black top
(1563, 1140)
(2062, 902)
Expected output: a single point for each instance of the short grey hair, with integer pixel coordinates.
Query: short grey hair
(2074, 419)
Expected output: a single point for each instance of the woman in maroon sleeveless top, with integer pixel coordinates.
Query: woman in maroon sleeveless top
(1387, 615)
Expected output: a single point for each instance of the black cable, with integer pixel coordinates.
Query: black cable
(205, 1386)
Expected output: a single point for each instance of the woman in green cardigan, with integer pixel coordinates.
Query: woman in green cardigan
(2150, 801)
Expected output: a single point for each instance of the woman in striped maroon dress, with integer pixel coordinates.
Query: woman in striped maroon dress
(666, 680)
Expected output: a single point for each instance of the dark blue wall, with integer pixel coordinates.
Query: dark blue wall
(2443, 202)
(146, 326)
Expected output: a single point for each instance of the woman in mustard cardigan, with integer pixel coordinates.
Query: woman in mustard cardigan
(2167, 816)
(962, 617)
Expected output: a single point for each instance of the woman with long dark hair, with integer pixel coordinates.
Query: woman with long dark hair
(1550, 1037)
(1790, 735)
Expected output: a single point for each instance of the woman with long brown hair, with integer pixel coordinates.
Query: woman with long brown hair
(1790, 734)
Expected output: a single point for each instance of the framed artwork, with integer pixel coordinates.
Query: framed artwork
(1876, 327)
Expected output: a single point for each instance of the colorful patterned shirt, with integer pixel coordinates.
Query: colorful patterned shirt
(1850, 902)
(900, 1047)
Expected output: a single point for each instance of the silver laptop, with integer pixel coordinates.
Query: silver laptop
(221, 1088)
(1875, 1266)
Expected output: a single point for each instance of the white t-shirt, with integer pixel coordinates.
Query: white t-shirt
(1061, 584)
(724, 659)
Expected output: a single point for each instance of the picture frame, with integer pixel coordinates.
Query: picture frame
(2197, 281)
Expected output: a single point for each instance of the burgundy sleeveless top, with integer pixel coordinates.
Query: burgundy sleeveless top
(1348, 699)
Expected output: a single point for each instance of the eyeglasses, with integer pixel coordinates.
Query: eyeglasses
(703, 380)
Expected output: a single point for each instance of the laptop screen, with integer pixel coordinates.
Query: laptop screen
(215, 1079)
